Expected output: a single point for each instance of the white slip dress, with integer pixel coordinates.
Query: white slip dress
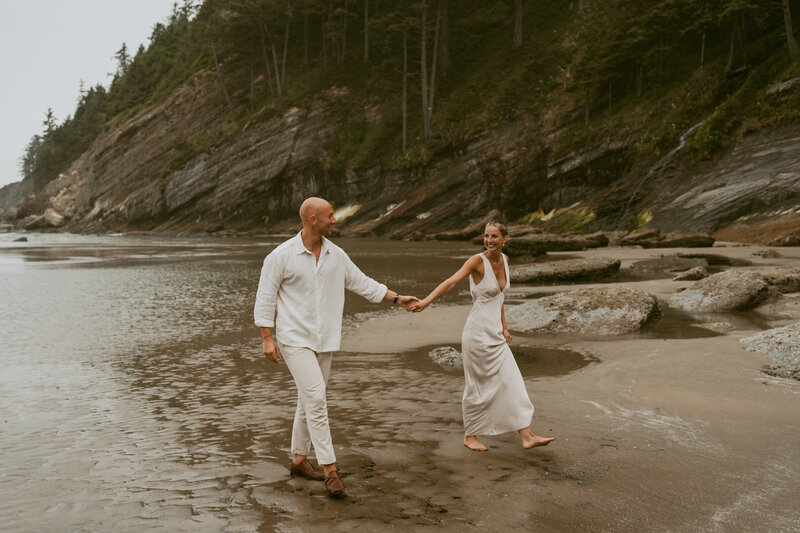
(495, 399)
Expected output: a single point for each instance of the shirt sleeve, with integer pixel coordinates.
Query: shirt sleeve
(267, 293)
(361, 284)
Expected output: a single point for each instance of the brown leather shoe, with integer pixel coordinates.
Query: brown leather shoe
(305, 470)
(334, 484)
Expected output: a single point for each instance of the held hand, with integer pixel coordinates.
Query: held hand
(407, 301)
(418, 306)
(507, 335)
(271, 350)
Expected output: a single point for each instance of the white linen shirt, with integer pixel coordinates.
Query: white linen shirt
(303, 298)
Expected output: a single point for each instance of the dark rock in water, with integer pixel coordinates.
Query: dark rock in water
(717, 259)
(446, 356)
(638, 237)
(768, 254)
(588, 311)
(597, 239)
(652, 238)
(21, 239)
(524, 247)
(782, 345)
(732, 290)
(536, 244)
(33, 222)
(685, 240)
(667, 263)
(693, 274)
(785, 281)
(566, 270)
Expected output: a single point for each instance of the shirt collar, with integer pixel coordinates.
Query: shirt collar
(300, 248)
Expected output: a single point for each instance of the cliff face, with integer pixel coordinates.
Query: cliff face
(168, 171)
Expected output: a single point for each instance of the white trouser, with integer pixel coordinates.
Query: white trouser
(310, 372)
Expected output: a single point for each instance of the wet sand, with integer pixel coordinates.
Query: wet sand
(178, 424)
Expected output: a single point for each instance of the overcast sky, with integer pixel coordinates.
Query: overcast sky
(47, 47)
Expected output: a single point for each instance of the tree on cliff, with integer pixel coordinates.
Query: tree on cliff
(790, 40)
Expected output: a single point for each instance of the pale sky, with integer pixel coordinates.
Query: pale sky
(47, 47)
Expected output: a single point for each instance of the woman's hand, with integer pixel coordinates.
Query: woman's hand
(419, 306)
(507, 335)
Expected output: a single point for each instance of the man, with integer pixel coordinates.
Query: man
(301, 295)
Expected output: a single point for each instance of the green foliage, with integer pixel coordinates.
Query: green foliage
(618, 65)
(571, 219)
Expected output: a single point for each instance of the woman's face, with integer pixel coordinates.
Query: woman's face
(493, 240)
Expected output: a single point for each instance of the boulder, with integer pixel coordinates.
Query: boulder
(667, 263)
(524, 247)
(536, 244)
(768, 254)
(33, 222)
(53, 217)
(652, 238)
(693, 274)
(597, 239)
(565, 270)
(717, 259)
(446, 356)
(638, 237)
(589, 311)
(731, 290)
(685, 240)
(782, 346)
(785, 281)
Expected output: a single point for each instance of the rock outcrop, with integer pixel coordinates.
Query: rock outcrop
(179, 166)
(587, 311)
(784, 281)
(446, 356)
(693, 274)
(782, 346)
(565, 270)
(731, 290)
(667, 264)
(653, 238)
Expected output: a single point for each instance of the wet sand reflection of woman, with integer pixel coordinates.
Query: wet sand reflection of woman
(495, 399)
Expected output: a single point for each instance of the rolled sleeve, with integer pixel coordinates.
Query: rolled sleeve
(267, 293)
(361, 284)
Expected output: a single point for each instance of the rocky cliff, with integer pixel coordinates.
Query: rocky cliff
(178, 167)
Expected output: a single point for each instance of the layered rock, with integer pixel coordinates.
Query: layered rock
(782, 346)
(565, 270)
(731, 290)
(653, 238)
(588, 311)
(446, 356)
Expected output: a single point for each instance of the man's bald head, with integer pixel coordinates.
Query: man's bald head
(317, 216)
(313, 206)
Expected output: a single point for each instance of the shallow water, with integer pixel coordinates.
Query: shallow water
(134, 394)
(134, 397)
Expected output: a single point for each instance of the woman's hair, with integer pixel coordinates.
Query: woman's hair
(499, 225)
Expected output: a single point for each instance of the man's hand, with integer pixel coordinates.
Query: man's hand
(407, 301)
(271, 350)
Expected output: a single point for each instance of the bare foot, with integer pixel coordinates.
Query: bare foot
(532, 440)
(474, 444)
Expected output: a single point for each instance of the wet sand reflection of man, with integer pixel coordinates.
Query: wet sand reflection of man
(301, 295)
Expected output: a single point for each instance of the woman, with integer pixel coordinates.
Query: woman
(495, 399)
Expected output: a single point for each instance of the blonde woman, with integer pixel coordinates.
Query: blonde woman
(495, 399)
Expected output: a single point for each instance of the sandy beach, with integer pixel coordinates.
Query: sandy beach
(155, 426)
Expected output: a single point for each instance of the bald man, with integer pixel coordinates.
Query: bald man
(301, 295)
